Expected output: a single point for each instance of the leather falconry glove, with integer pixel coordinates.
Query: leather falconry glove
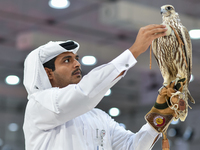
(162, 114)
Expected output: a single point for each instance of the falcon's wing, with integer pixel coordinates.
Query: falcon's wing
(188, 49)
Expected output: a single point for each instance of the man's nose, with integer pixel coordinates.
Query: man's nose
(77, 64)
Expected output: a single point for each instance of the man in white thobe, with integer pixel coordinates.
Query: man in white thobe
(61, 113)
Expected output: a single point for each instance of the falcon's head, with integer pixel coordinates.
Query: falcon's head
(167, 10)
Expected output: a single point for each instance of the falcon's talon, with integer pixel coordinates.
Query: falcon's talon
(164, 86)
(176, 80)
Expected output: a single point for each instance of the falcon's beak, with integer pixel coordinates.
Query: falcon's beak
(163, 11)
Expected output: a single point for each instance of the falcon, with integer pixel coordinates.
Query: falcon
(173, 54)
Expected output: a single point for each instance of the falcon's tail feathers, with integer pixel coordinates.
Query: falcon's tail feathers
(190, 97)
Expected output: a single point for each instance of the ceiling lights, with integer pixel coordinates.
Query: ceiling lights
(13, 127)
(175, 122)
(191, 78)
(114, 112)
(108, 92)
(59, 4)
(194, 34)
(89, 60)
(12, 80)
(122, 125)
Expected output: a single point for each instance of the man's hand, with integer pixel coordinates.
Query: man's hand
(145, 37)
(162, 113)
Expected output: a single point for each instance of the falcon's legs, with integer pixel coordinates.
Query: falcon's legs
(166, 78)
(178, 77)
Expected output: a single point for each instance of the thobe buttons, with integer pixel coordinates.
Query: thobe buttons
(127, 65)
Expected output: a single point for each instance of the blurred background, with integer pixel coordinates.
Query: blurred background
(104, 29)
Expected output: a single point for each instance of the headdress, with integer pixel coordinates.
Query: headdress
(35, 77)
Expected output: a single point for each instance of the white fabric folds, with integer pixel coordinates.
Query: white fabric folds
(35, 77)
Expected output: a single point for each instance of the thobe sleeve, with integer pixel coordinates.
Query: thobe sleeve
(122, 139)
(53, 107)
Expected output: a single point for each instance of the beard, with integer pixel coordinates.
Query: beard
(61, 80)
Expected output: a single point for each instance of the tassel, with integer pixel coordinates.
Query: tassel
(150, 56)
(165, 142)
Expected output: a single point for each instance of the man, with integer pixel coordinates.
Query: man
(60, 113)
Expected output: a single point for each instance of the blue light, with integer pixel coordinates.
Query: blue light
(13, 127)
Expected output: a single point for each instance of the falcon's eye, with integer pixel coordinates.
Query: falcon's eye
(169, 8)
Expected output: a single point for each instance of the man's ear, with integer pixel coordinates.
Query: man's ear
(49, 73)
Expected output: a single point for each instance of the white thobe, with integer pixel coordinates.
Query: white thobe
(65, 118)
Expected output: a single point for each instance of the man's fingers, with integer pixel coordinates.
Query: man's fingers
(145, 36)
(157, 30)
(181, 88)
(154, 31)
(159, 35)
(155, 26)
(172, 84)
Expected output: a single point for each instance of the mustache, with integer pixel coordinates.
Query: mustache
(78, 69)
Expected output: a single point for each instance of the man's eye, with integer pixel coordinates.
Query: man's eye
(67, 60)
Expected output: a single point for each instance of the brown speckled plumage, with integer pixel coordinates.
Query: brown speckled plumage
(174, 60)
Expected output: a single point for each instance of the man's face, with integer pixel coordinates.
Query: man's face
(67, 70)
